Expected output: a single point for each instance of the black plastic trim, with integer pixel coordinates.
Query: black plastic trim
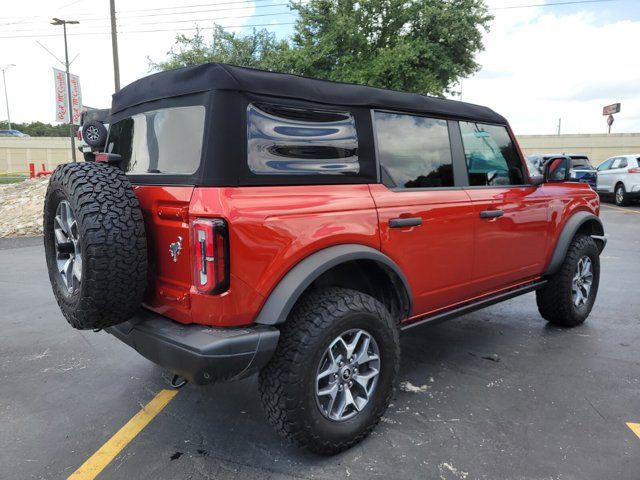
(285, 295)
(199, 353)
(477, 305)
(405, 222)
(566, 236)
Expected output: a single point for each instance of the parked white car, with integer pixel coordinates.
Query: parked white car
(620, 177)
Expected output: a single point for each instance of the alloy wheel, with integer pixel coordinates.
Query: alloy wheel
(92, 133)
(347, 375)
(67, 246)
(582, 281)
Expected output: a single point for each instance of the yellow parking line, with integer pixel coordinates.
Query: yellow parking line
(99, 460)
(622, 209)
(635, 428)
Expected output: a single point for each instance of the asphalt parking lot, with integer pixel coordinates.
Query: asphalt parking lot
(496, 394)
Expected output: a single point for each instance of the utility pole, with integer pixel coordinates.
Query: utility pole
(57, 21)
(6, 97)
(114, 45)
(559, 125)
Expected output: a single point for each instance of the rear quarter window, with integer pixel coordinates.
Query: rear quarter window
(284, 140)
(164, 141)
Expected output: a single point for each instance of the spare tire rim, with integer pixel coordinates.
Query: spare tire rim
(91, 132)
(68, 251)
(582, 281)
(347, 375)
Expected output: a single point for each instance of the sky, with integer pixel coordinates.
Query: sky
(540, 63)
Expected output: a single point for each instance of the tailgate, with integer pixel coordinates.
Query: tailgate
(166, 219)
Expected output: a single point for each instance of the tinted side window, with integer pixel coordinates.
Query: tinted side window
(492, 158)
(296, 141)
(160, 141)
(606, 165)
(414, 152)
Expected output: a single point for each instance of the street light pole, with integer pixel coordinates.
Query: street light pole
(6, 97)
(57, 21)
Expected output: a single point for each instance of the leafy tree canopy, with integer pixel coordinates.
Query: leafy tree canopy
(38, 129)
(422, 46)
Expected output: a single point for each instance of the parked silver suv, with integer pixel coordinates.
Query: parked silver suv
(620, 177)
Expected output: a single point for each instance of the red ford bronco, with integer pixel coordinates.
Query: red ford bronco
(242, 221)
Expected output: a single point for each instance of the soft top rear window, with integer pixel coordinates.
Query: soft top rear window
(99, 115)
(164, 141)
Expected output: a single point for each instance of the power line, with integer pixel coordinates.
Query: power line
(177, 10)
(124, 17)
(153, 31)
(573, 2)
(195, 6)
(209, 19)
(190, 20)
(211, 28)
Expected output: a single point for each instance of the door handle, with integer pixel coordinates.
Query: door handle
(405, 222)
(491, 213)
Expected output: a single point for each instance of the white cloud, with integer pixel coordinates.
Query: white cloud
(538, 66)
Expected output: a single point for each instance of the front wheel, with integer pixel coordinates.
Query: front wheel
(332, 375)
(568, 297)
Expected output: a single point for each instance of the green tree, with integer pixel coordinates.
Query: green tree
(422, 46)
(39, 129)
(259, 49)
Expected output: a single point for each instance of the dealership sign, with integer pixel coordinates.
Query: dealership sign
(62, 98)
(611, 109)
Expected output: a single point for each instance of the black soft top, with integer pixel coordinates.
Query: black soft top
(219, 76)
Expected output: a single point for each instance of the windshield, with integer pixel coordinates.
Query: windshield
(580, 162)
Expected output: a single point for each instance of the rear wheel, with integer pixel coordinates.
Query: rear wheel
(621, 196)
(568, 296)
(332, 375)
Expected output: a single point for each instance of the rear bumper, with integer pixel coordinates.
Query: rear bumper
(199, 353)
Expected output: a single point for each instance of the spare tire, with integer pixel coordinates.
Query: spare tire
(94, 134)
(95, 244)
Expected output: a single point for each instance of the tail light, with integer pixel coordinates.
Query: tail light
(210, 244)
(634, 170)
(79, 134)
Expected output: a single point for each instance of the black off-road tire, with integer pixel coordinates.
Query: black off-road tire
(111, 239)
(287, 383)
(94, 134)
(621, 199)
(555, 300)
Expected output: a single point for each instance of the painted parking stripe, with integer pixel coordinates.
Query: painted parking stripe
(635, 428)
(99, 460)
(622, 209)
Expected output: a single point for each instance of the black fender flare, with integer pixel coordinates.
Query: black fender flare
(577, 221)
(284, 296)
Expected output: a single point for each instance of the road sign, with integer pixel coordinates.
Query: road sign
(611, 109)
(610, 120)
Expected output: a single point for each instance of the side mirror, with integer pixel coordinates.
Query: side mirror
(537, 180)
(557, 169)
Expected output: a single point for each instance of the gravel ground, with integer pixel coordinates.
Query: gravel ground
(21, 207)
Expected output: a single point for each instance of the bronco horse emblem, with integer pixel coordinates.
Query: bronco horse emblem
(175, 248)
